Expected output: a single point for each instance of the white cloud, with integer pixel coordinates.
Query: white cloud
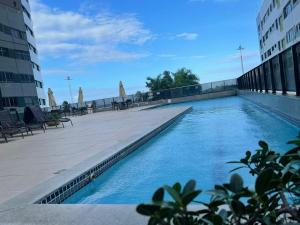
(63, 72)
(89, 39)
(188, 36)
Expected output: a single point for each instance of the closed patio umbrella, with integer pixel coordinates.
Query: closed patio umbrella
(52, 102)
(80, 98)
(122, 92)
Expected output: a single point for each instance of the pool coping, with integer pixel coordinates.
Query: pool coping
(56, 189)
(291, 120)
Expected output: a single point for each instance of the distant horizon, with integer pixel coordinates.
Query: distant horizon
(99, 43)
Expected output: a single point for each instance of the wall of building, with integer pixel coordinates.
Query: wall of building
(286, 106)
(21, 82)
(33, 52)
(16, 75)
(278, 24)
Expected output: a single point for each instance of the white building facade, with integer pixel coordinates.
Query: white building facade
(278, 24)
(33, 53)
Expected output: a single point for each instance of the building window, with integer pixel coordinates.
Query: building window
(29, 30)
(10, 102)
(26, 12)
(8, 77)
(42, 101)
(16, 54)
(287, 9)
(13, 32)
(297, 30)
(290, 35)
(32, 48)
(4, 52)
(35, 66)
(38, 84)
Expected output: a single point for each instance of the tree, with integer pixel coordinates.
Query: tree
(185, 77)
(167, 81)
(154, 84)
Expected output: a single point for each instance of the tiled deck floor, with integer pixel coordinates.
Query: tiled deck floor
(25, 163)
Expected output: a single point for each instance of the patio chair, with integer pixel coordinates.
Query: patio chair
(128, 103)
(11, 127)
(115, 105)
(3, 134)
(34, 118)
(61, 117)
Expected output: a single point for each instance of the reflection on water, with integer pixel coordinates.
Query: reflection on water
(197, 146)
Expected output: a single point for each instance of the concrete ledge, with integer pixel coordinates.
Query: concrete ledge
(220, 94)
(283, 105)
(73, 215)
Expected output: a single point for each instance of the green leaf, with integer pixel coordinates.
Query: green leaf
(174, 194)
(189, 187)
(263, 145)
(146, 209)
(153, 221)
(234, 162)
(177, 187)
(236, 183)
(158, 195)
(217, 220)
(238, 207)
(216, 203)
(189, 197)
(263, 180)
(248, 155)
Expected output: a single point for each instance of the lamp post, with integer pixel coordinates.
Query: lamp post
(70, 88)
(242, 61)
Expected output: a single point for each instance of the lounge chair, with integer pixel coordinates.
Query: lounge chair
(11, 127)
(3, 134)
(34, 118)
(115, 105)
(128, 103)
(58, 114)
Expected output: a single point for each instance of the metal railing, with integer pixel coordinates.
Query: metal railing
(148, 97)
(278, 74)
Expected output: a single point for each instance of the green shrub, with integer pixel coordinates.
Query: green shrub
(273, 201)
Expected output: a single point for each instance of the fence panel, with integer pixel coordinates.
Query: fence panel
(276, 73)
(288, 69)
(268, 76)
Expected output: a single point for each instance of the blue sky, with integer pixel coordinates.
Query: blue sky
(100, 42)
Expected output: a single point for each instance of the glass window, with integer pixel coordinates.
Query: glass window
(287, 9)
(4, 52)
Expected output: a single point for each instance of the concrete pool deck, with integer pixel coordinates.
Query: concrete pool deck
(40, 163)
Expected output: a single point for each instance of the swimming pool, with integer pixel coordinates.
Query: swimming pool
(196, 146)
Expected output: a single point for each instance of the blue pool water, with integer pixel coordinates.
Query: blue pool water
(197, 146)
